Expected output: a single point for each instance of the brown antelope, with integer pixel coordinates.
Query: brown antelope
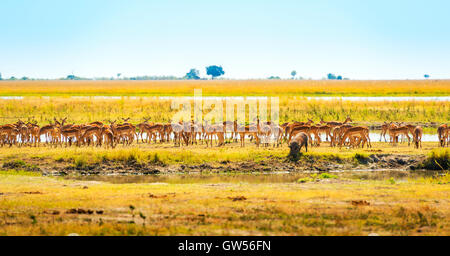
(315, 130)
(70, 133)
(359, 131)
(141, 130)
(326, 129)
(229, 126)
(334, 124)
(24, 133)
(167, 131)
(92, 131)
(8, 134)
(417, 136)
(384, 130)
(97, 123)
(443, 131)
(337, 132)
(197, 130)
(46, 130)
(216, 130)
(251, 130)
(291, 126)
(410, 127)
(264, 133)
(126, 132)
(355, 140)
(177, 130)
(394, 132)
(34, 132)
(152, 131)
(188, 131)
(109, 137)
(277, 133)
(447, 134)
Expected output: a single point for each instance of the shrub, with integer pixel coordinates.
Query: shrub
(327, 176)
(303, 180)
(14, 164)
(437, 160)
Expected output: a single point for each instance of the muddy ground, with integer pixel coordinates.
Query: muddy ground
(305, 163)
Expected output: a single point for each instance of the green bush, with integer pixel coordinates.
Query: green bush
(327, 176)
(437, 160)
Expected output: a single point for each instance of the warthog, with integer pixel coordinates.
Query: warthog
(299, 140)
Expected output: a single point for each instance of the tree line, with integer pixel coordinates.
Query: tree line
(214, 71)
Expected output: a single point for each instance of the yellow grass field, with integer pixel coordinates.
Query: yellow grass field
(316, 205)
(228, 88)
(89, 109)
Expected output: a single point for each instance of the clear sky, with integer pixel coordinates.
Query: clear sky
(380, 39)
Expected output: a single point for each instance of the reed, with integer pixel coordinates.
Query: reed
(82, 110)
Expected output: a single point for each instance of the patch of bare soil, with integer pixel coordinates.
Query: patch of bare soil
(83, 211)
(150, 195)
(306, 163)
(360, 203)
(237, 198)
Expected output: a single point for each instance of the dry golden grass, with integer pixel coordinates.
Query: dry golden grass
(82, 110)
(228, 87)
(38, 206)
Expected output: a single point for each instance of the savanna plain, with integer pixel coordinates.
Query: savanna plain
(158, 188)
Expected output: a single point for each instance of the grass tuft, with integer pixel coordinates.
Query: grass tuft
(438, 159)
(326, 175)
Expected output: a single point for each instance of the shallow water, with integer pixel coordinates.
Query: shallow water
(374, 137)
(254, 178)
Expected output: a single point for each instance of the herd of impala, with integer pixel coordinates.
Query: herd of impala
(97, 133)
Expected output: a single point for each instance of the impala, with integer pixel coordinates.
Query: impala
(362, 132)
(394, 132)
(384, 130)
(251, 130)
(417, 136)
(334, 124)
(291, 126)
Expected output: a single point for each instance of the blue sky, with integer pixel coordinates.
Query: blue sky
(250, 39)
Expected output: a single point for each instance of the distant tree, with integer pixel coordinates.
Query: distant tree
(274, 78)
(193, 74)
(1, 76)
(12, 78)
(74, 77)
(24, 78)
(426, 76)
(152, 78)
(331, 76)
(118, 75)
(214, 71)
(293, 74)
(339, 78)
